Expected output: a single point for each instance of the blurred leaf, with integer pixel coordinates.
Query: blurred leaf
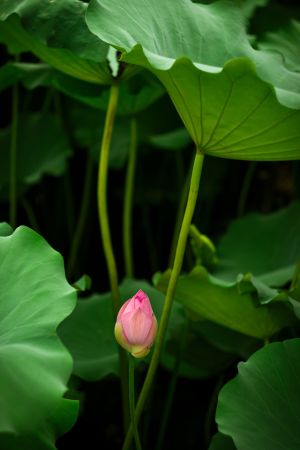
(207, 77)
(222, 303)
(198, 357)
(203, 249)
(248, 284)
(83, 284)
(88, 334)
(172, 140)
(267, 245)
(228, 340)
(221, 442)
(135, 95)
(42, 148)
(286, 42)
(260, 407)
(5, 229)
(87, 126)
(248, 6)
(35, 367)
(10, 73)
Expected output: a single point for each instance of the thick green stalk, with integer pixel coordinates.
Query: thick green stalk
(105, 233)
(13, 158)
(102, 196)
(82, 215)
(127, 211)
(181, 245)
(132, 404)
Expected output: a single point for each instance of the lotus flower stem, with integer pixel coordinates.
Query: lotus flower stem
(102, 196)
(13, 158)
(127, 212)
(105, 232)
(132, 404)
(181, 245)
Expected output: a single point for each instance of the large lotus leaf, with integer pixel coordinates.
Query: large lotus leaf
(221, 86)
(260, 407)
(57, 34)
(267, 245)
(222, 303)
(286, 42)
(43, 148)
(34, 298)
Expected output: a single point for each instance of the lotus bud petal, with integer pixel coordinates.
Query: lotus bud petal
(136, 325)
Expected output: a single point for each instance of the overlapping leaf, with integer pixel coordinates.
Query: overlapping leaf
(35, 367)
(285, 42)
(221, 87)
(56, 32)
(222, 303)
(260, 407)
(43, 148)
(267, 245)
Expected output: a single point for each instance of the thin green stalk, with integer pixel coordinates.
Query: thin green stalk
(106, 237)
(245, 188)
(127, 211)
(13, 158)
(82, 215)
(132, 404)
(179, 218)
(183, 235)
(172, 388)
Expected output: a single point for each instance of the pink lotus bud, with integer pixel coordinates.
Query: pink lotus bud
(136, 325)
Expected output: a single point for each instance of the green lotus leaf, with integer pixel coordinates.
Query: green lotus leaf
(172, 140)
(235, 101)
(11, 73)
(135, 95)
(267, 245)
(260, 407)
(56, 32)
(213, 299)
(43, 148)
(35, 297)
